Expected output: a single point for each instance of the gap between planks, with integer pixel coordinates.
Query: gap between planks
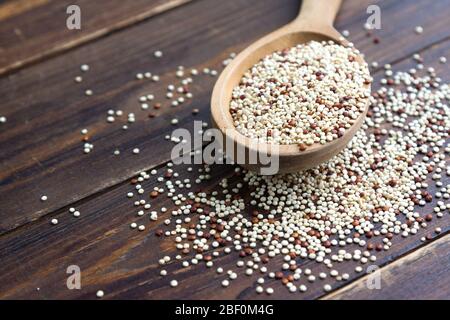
(98, 34)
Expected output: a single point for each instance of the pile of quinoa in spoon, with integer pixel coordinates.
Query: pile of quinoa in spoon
(307, 94)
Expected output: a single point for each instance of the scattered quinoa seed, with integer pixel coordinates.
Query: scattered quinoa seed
(349, 209)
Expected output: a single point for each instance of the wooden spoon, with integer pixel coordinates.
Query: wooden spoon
(315, 22)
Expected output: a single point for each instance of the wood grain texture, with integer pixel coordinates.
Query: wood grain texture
(41, 149)
(31, 30)
(423, 274)
(40, 143)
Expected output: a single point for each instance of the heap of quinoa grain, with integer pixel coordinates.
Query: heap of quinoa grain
(304, 95)
(346, 210)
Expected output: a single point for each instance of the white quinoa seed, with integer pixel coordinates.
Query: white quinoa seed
(327, 288)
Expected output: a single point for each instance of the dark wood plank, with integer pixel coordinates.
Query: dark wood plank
(421, 275)
(123, 262)
(33, 30)
(40, 143)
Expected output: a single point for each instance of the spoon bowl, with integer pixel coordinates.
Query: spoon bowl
(313, 23)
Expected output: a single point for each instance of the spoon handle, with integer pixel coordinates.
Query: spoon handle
(317, 14)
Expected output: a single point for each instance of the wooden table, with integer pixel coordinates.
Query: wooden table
(42, 152)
